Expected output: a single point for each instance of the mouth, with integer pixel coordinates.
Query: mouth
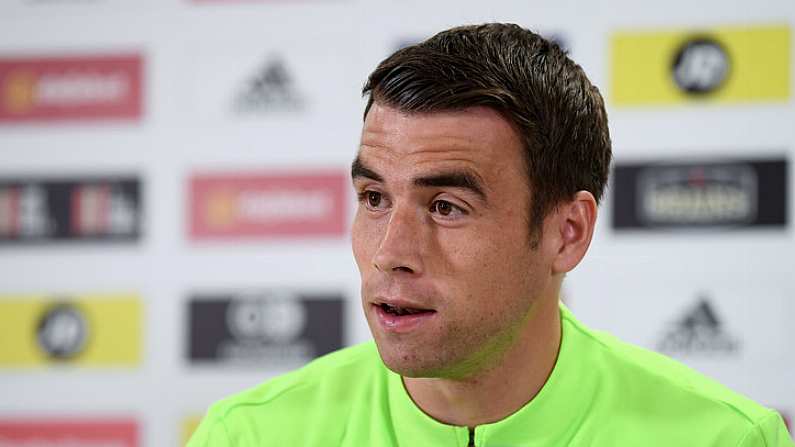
(401, 311)
(401, 318)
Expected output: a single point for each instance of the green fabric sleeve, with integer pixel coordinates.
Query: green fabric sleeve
(769, 432)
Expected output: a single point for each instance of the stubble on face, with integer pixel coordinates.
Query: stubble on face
(478, 272)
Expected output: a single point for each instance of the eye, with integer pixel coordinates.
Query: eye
(445, 208)
(372, 200)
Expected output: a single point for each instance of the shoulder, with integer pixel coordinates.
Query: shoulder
(327, 373)
(637, 383)
(317, 396)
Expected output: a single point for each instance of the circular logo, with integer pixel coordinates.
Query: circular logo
(62, 331)
(701, 66)
(278, 318)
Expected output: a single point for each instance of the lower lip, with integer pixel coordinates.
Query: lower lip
(403, 323)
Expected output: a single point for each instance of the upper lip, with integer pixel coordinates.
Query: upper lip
(400, 302)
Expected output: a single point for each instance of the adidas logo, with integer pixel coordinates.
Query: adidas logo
(699, 331)
(270, 89)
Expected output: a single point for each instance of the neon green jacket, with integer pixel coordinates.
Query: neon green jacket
(601, 393)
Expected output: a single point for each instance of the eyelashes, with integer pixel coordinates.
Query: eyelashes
(376, 201)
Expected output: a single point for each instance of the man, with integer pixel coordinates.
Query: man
(483, 155)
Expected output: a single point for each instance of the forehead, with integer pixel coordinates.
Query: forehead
(477, 137)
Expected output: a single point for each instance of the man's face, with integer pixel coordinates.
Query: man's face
(441, 239)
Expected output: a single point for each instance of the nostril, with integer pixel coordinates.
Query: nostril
(403, 269)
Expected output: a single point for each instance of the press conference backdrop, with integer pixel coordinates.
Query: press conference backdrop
(175, 201)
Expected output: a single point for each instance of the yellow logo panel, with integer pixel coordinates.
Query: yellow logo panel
(189, 426)
(87, 330)
(721, 65)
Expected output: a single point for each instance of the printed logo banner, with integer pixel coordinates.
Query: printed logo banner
(731, 64)
(86, 330)
(267, 205)
(274, 328)
(57, 88)
(692, 195)
(86, 209)
(68, 433)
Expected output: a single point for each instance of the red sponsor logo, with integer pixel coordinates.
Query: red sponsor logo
(70, 88)
(68, 433)
(262, 205)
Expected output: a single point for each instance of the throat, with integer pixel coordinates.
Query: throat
(495, 390)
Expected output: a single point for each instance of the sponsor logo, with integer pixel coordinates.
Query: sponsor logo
(68, 433)
(267, 205)
(69, 88)
(62, 331)
(275, 327)
(270, 89)
(701, 65)
(696, 195)
(699, 194)
(91, 209)
(90, 330)
(698, 332)
(277, 318)
(732, 64)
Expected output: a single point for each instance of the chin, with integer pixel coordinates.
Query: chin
(409, 363)
(405, 369)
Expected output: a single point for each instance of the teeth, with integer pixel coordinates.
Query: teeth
(399, 311)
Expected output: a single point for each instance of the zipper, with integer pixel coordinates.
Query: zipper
(471, 437)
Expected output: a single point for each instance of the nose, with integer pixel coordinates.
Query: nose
(401, 244)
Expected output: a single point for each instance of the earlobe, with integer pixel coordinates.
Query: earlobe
(576, 222)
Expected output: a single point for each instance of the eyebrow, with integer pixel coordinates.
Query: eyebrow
(358, 169)
(450, 179)
(453, 179)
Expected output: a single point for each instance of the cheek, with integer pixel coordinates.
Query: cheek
(362, 240)
(470, 269)
(500, 266)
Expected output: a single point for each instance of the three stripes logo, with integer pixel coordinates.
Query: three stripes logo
(699, 331)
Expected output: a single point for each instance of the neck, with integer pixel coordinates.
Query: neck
(502, 388)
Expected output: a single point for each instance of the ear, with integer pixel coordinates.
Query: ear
(574, 225)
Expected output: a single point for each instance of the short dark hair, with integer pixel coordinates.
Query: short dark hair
(560, 116)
